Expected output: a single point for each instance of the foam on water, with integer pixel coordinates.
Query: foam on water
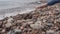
(15, 13)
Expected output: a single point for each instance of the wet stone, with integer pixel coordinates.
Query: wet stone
(49, 24)
(17, 31)
(11, 32)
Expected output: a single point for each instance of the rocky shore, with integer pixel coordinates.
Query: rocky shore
(45, 21)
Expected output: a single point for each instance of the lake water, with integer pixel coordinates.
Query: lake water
(13, 7)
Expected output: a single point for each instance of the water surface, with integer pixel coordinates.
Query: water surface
(12, 7)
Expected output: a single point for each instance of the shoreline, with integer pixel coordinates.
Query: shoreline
(15, 13)
(45, 21)
(32, 22)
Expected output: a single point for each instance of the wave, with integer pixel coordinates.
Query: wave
(15, 13)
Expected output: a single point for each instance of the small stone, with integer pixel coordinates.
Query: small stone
(10, 20)
(31, 22)
(37, 25)
(3, 25)
(10, 32)
(3, 30)
(4, 22)
(25, 30)
(8, 24)
(0, 29)
(56, 12)
(38, 22)
(17, 31)
(49, 24)
(43, 32)
(24, 24)
(18, 21)
(34, 26)
(44, 20)
(58, 32)
(0, 23)
(21, 27)
(50, 32)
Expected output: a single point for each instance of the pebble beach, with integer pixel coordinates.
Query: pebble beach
(45, 21)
